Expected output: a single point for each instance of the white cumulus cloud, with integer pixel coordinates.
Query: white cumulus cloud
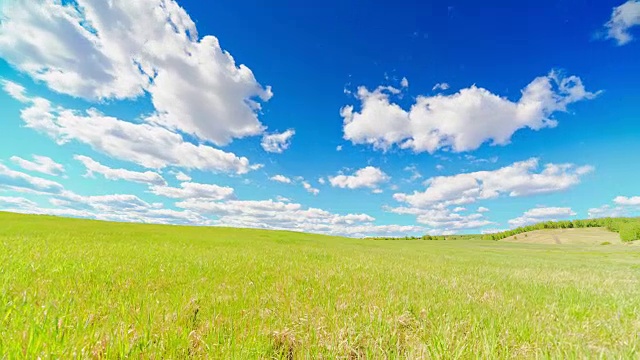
(623, 206)
(444, 220)
(269, 214)
(607, 211)
(622, 19)
(277, 142)
(180, 176)
(627, 201)
(368, 177)
(198, 204)
(462, 121)
(14, 90)
(145, 144)
(191, 190)
(21, 182)
(309, 188)
(119, 207)
(542, 214)
(122, 49)
(94, 167)
(440, 86)
(518, 179)
(41, 164)
(15, 202)
(280, 178)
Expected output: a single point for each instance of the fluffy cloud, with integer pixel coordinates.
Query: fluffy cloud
(108, 207)
(541, 214)
(627, 201)
(16, 202)
(144, 144)
(404, 82)
(440, 86)
(180, 176)
(115, 207)
(280, 178)
(120, 207)
(474, 160)
(607, 211)
(368, 177)
(624, 206)
(622, 19)
(41, 164)
(482, 209)
(197, 204)
(190, 190)
(462, 121)
(194, 85)
(18, 181)
(94, 167)
(444, 220)
(277, 143)
(518, 179)
(415, 174)
(103, 202)
(492, 231)
(298, 179)
(269, 214)
(310, 188)
(14, 90)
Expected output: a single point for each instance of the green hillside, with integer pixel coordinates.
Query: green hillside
(628, 228)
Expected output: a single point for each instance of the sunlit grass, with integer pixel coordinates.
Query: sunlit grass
(85, 289)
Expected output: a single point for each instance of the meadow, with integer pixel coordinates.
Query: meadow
(86, 289)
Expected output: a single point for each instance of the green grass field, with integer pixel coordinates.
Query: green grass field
(86, 289)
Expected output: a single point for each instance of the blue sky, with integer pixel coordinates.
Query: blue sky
(350, 117)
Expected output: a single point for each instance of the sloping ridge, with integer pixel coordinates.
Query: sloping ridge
(583, 236)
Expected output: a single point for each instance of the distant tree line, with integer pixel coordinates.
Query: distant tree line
(426, 237)
(628, 228)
